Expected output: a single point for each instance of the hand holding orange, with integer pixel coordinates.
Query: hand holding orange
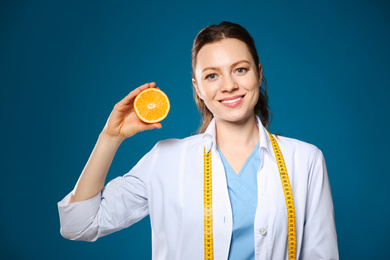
(151, 105)
(140, 110)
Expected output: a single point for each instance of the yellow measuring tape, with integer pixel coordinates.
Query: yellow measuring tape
(288, 196)
(208, 207)
(208, 213)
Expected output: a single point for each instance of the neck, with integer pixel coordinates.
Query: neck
(237, 135)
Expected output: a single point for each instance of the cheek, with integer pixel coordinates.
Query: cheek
(256, 90)
(252, 81)
(257, 94)
(208, 91)
(253, 86)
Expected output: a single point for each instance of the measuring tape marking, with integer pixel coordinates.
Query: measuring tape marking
(208, 209)
(292, 237)
(208, 212)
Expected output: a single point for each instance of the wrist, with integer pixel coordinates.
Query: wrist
(109, 139)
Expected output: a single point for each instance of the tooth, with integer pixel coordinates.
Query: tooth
(232, 100)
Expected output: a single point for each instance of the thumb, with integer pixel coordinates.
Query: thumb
(157, 125)
(153, 126)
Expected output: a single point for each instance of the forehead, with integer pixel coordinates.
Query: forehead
(222, 53)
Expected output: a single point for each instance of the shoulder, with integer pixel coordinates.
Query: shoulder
(165, 154)
(304, 159)
(298, 148)
(174, 144)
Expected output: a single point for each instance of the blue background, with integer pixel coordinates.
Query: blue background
(64, 64)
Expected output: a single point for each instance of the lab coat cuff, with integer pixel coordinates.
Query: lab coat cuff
(74, 216)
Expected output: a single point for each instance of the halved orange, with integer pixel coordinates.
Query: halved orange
(151, 105)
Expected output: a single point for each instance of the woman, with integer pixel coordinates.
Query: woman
(249, 216)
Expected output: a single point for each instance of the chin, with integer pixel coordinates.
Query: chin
(237, 119)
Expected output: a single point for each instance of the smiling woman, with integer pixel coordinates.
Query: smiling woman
(234, 191)
(226, 76)
(217, 33)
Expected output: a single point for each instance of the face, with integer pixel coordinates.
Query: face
(226, 79)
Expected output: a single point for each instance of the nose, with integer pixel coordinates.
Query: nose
(229, 84)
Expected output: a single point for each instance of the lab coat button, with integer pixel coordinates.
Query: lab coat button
(263, 231)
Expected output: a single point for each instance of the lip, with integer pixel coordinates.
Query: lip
(232, 104)
(230, 98)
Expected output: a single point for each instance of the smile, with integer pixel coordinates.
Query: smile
(231, 99)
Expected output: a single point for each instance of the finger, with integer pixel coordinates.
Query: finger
(130, 97)
(145, 86)
(153, 126)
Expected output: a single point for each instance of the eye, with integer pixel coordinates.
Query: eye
(211, 76)
(241, 70)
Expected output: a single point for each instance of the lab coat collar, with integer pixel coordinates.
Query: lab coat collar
(265, 140)
(209, 138)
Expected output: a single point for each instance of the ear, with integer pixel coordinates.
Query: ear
(196, 88)
(260, 73)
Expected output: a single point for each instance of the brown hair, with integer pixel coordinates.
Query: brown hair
(215, 33)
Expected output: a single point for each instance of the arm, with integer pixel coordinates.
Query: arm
(122, 123)
(319, 237)
(91, 211)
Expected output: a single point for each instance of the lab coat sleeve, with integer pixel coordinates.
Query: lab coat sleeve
(122, 202)
(319, 237)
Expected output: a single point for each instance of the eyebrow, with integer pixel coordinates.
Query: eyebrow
(233, 65)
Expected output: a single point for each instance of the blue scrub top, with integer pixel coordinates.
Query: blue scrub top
(242, 189)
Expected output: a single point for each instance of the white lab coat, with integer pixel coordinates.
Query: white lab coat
(167, 184)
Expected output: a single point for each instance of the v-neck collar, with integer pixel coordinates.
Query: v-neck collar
(209, 139)
(226, 163)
